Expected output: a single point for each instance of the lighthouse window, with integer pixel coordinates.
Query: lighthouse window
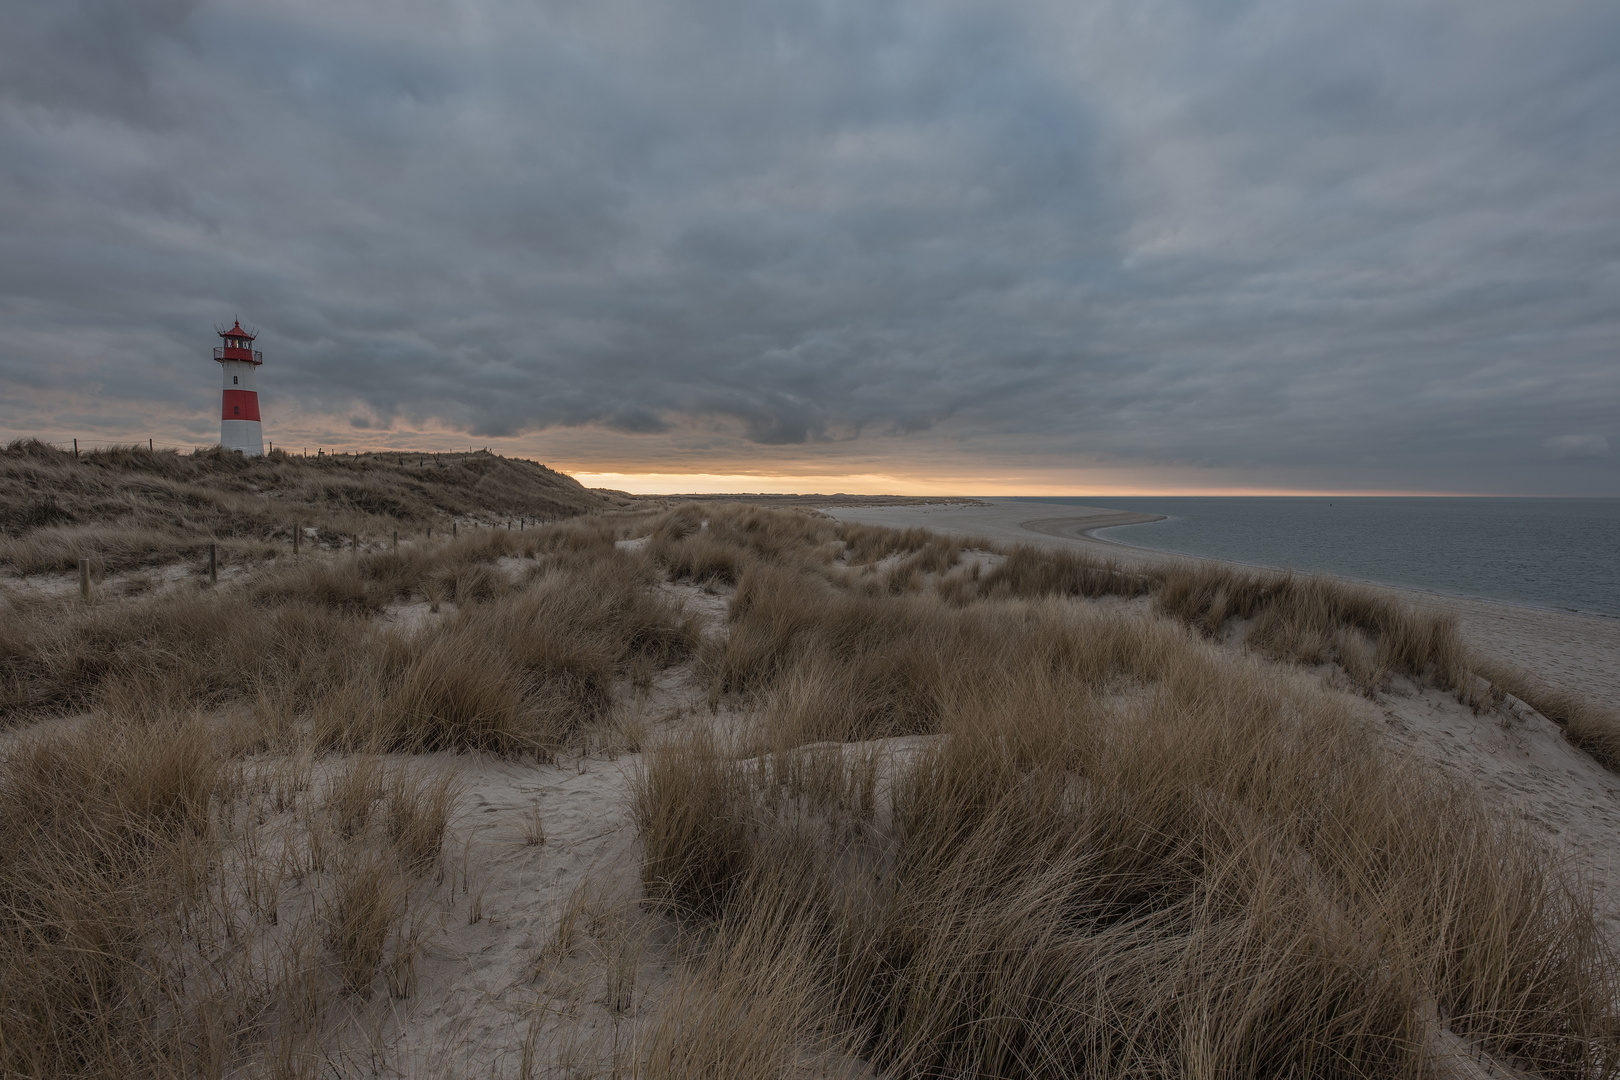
(239, 410)
(233, 380)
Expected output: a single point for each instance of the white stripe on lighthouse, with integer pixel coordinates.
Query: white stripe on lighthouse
(237, 432)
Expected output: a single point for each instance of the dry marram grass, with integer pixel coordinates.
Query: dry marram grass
(1124, 854)
(130, 506)
(944, 820)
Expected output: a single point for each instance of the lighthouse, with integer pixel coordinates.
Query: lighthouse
(239, 424)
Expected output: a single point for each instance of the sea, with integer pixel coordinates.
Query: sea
(1562, 554)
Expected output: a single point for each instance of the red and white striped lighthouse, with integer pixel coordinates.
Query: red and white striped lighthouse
(239, 424)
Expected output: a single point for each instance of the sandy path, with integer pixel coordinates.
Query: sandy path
(484, 982)
(1581, 652)
(539, 942)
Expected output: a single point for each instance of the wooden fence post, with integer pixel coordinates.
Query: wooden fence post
(84, 578)
(452, 530)
(396, 539)
(298, 531)
(75, 449)
(213, 564)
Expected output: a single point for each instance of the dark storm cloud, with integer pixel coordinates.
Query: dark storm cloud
(1363, 241)
(87, 55)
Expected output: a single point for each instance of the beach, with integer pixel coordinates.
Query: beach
(1579, 652)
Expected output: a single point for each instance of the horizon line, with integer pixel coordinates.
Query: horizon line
(870, 484)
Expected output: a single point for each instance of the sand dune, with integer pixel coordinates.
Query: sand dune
(532, 949)
(1513, 753)
(1581, 652)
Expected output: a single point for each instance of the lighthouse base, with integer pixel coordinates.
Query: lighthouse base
(243, 436)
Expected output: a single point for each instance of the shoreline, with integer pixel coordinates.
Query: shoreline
(1090, 534)
(1577, 650)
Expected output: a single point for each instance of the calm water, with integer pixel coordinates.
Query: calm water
(1555, 553)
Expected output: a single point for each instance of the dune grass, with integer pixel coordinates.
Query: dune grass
(530, 653)
(130, 507)
(204, 861)
(523, 673)
(1119, 853)
(1365, 633)
(169, 908)
(1311, 620)
(945, 819)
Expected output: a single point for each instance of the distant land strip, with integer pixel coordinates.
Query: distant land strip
(814, 502)
(1083, 526)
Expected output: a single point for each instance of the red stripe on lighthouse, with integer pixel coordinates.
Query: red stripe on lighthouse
(241, 405)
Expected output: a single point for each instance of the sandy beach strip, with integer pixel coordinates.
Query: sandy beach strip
(1579, 652)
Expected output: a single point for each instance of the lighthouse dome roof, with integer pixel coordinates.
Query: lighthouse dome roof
(236, 331)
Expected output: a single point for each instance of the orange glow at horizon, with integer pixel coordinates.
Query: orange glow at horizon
(867, 474)
(697, 483)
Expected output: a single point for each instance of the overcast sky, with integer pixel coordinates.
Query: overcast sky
(1087, 245)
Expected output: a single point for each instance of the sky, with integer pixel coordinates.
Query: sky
(1009, 247)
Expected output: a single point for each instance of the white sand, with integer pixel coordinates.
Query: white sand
(1522, 760)
(552, 914)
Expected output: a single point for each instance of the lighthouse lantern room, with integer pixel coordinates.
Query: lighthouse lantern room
(239, 424)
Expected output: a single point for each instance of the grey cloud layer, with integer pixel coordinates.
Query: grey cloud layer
(1382, 237)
